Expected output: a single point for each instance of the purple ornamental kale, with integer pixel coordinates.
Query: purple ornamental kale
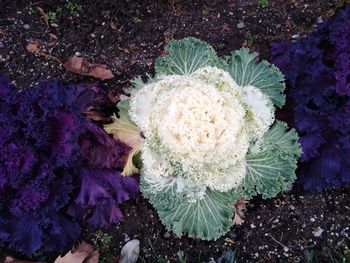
(52, 158)
(317, 70)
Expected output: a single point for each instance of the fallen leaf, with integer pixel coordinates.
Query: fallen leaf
(231, 3)
(125, 50)
(83, 253)
(53, 40)
(161, 43)
(164, 53)
(229, 240)
(103, 56)
(96, 115)
(226, 27)
(77, 257)
(14, 260)
(113, 25)
(43, 16)
(82, 67)
(239, 207)
(114, 99)
(245, 44)
(3, 32)
(33, 47)
(130, 252)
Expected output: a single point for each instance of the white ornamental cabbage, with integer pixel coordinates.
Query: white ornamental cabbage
(208, 136)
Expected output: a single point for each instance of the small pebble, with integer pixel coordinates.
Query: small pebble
(232, 235)
(26, 26)
(240, 25)
(318, 232)
(167, 235)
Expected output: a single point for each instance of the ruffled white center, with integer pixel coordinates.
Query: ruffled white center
(199, 127)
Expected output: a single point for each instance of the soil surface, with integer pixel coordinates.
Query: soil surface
(128, 36)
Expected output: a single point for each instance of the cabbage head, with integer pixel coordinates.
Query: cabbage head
(209, 136)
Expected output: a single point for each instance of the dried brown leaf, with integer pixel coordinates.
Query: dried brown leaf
(161, 43)
(112, 97)
(96, 115)
(33, 47)
(113, 25)
(43, 16)
(53, 40)
(77, 257)
(83, 253)
(164, 53)
(82, 67)
(239, 207)
(101, 72)
(3, 32)
(125, 50)
(14, 260)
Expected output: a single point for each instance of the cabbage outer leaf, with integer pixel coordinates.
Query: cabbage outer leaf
(126, 131)
(186, 56)
(207, 218)
(272, 169)
(245, 70)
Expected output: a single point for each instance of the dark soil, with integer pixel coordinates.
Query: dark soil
(284, 229)
(128, 36)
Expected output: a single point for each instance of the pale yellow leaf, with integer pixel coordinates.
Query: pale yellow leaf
(126, 132)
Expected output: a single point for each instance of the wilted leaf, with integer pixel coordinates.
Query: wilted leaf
(43, 16)
(95, 115)
(112, 97)
(113, 25)
(33, 47)
(125, 50)
(77, 257)
(84, 253)
(82, 67)
(130, 252)
(14, 260)
(3, 32)
(128, 133)
(239, 207)
(53, 40)
(124, 130)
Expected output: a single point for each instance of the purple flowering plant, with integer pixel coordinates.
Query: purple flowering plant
(57, 167)
(317, 70)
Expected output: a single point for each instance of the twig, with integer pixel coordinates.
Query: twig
(285, 248)
(49, 56)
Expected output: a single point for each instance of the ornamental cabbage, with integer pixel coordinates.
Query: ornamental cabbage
(209, 136)
(52, 157)
(317, 70)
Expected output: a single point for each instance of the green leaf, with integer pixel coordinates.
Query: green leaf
(185, 57)
(137, 84)
(207, 218)
(272, 170)
(245, 70)
(160, 194)
(124, 107)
